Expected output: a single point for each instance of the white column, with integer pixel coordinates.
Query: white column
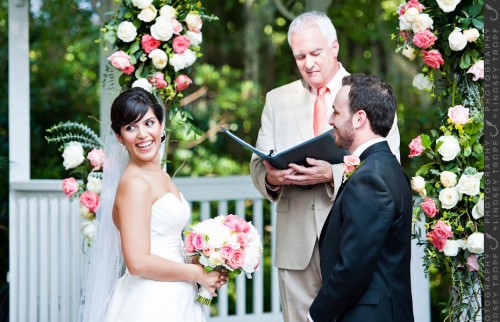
(19, 91)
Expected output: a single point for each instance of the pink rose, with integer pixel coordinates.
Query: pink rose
(149, 43)
(424, 39)
(69, 186)
(477, 70)
(197, 241)
(188, 243)
(182, 82)
(439, 234)
(472, 263)
(458, 114)
(180, 44)
(231, 221)
(416, 147)
(415, 4)
(90, 200)
(226, 252)
(120, 60)
(429, 207)
(176, 26)
(237, 260)
(242, 226)
(350, 163)
(433, 58)
(96, 158)
(207, 251)
(158, 80)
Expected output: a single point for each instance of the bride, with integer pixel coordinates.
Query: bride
(143, 212)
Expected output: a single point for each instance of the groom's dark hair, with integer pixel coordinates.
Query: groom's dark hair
(374, 96)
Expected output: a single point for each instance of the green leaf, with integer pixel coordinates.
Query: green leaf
(426, 141)
(467, 151)
(474, 10)
(134, 47)
(424, 169)
(465, 60)
(478, 22)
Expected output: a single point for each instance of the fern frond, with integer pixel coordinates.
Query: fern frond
(74, 132)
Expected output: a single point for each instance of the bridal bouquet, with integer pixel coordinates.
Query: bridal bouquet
(224, 242)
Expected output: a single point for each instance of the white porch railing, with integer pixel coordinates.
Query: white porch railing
(47, 264)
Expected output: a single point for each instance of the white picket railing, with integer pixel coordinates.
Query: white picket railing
(47, 263)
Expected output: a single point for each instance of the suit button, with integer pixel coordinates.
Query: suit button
(312, 207)
(335, 318)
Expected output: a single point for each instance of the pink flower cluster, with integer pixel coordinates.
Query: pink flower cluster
(416, 31)
(429, 207)
(439, 234)
(225, 241)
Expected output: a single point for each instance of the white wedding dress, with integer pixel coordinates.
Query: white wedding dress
(139, 299)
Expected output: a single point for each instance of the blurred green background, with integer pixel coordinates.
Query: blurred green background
(246, 54)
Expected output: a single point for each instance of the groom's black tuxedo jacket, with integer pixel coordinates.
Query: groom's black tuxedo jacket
(365, 245)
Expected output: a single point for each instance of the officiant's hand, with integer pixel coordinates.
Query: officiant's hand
(277, 177)
(319, 171)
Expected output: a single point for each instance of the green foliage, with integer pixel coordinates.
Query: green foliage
(68, 131)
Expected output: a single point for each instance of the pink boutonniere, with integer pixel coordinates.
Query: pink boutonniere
(351, 163)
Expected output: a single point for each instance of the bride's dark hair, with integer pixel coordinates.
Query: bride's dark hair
(131, 105)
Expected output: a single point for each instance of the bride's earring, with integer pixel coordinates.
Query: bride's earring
(163, 137)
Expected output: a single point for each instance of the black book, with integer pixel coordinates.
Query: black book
(321, 147)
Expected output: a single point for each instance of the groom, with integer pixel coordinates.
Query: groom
(365, 243)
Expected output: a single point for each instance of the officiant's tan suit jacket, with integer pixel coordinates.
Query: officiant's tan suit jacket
(287, 120)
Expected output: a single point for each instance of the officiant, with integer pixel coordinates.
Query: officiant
(292, 114)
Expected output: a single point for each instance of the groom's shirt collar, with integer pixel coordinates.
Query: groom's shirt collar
(366, 145)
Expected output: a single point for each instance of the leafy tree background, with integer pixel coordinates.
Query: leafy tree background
(246, 54)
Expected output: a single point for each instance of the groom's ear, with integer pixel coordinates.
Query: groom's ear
(360, 119)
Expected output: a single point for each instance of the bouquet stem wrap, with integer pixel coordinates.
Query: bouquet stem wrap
(204, 296)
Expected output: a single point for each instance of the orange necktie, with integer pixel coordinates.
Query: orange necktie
(320, 111)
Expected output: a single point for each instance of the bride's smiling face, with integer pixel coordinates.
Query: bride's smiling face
(142, 138)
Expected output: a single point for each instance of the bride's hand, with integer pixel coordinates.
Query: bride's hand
(212, 281)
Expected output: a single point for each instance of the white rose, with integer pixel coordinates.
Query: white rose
(162, 29)
(478, 210)
(72, 155)
(471, 34)
(148, 14)
(177, 61)
(422, 82)
(141, 4)
(144, 84)
(457, 40)
(215, 259)
(86, 213)
(159, 58)
(450, 147)
(404, 24)
(126, 31)
(451, 248)
(89, 228)
(418, 185)
(194, 37)
(168, 11)
(189, 57)
(252, 259)
(448, 179)
(94, 184)
(193, 22)
(409, 52)
(475, 243)
(469, 184)
(411, 15)
(422, 22)
(448, 5)
(449, 197)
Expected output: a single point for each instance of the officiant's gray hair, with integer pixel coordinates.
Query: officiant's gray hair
(313, 18)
